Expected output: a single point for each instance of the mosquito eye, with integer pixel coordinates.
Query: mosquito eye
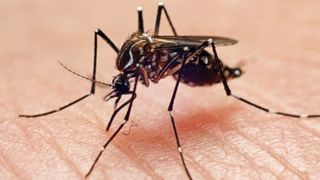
(122, 88)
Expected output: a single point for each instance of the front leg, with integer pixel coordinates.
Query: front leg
(125, 120)
(97, 34)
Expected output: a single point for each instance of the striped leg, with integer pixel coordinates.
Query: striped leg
(229, 93)
(157, 26)
(93, 85)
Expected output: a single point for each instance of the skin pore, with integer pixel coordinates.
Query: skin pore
(220, 136)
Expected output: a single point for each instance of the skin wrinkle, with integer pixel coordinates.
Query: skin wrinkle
(284, 38)
(53, 142)
(25, 140)
(191, 161)
(172, 146)
(296, 122)
(185, 120)
(68, 161)
(311, 130)
(264, 149)
(95, 121)
(130, 153)
(9, 166)
(285, 141)
(230, 128)
(258, 91)
(246, 156)
(274, 155)
(57, 149)
(144, 166)
(297, 172)
(120, 147)
(147, 168)
(174, 149)
(203, 171)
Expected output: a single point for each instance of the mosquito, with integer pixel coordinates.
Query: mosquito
(149, 57)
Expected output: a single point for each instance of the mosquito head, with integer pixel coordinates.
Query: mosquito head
(121, 84)
(135, 50)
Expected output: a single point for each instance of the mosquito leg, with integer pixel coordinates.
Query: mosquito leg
(276, 112)
(106, 39)
(56, 110)
(93, 85)
(99, 33)
(157, 26)
(115, 112)
(170, 108)
(229, 93)
(104, 147)
(219, 63)
(126, 119)
(166, 67)
(140, 20)
(115, 105)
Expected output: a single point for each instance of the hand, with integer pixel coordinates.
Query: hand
(220, 136)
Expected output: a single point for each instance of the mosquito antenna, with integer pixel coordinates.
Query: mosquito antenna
(77, 74)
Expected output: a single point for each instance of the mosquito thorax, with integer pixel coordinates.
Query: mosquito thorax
(121, 84)
(136, 49)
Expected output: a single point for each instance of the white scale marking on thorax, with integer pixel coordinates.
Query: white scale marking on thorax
(131, 56)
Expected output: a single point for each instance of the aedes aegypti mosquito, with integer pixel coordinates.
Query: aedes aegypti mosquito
(147, 57)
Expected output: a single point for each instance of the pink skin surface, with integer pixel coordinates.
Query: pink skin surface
(221, 137)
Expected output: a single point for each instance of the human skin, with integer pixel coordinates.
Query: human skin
(220, 136)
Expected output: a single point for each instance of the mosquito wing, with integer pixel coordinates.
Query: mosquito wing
(169, 42)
